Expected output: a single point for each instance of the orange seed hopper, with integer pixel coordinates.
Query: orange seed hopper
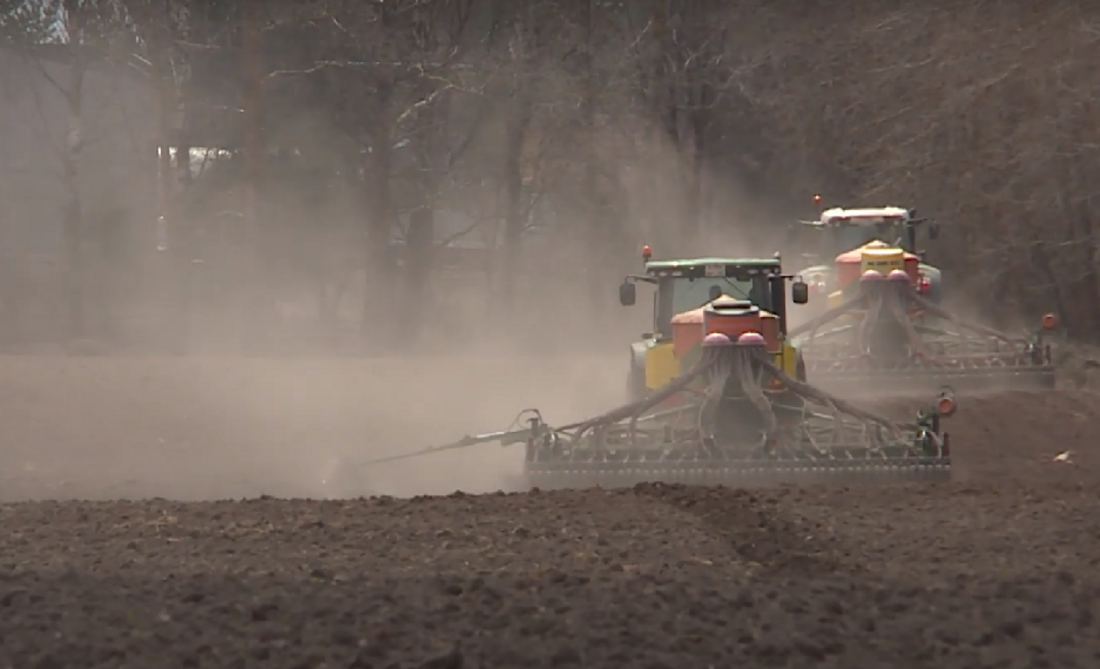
(687, 331)
(733, 318)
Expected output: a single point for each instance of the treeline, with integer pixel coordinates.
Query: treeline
(379, 152)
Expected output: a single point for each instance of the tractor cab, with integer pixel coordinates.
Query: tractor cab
(846, 229)
(683, 285)
(687, 285)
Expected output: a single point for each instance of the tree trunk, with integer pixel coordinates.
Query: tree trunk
(662, 107)
(515, 219)
(11, 278)
(378, 300)
(418, 266)
(253, 299)
(600, 226)
(169, 239)
(167, 330)
(183, 247)
(73, 224)
(691, 177)
(435, 158)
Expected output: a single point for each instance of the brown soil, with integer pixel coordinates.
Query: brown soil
(998, 569)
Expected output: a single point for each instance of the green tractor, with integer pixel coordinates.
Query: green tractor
(687, 284)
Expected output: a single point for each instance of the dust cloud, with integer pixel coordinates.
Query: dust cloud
(163, 388)
(206, 428)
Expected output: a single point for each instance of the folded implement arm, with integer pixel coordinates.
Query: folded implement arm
(888, 340)
(723, 422)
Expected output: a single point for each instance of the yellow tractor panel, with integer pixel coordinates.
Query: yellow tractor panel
(787, 360)
(661, 366)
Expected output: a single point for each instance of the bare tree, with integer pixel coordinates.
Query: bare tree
(255, 153)
(355, 52)
(992, 144)
(583, 96)
(439, 43)
(157, 29)
(522, 44)
(86, 27)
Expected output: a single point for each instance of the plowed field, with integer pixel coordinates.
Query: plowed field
(997, 569)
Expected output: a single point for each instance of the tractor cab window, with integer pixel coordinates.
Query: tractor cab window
(688, 294)
(677, 295)
(849, 236)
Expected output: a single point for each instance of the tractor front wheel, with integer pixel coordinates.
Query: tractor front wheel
(635, 383)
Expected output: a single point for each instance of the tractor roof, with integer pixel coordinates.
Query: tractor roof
(698, 267)
(871, 215)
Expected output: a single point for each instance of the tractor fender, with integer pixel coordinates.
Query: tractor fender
(822, 272)
(935, 282)
(637, 352)
(799, 361)
(816, 275)
(635, 378)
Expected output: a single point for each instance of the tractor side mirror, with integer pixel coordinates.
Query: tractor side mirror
(800, 292)
(934, 231)
(628, 294)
